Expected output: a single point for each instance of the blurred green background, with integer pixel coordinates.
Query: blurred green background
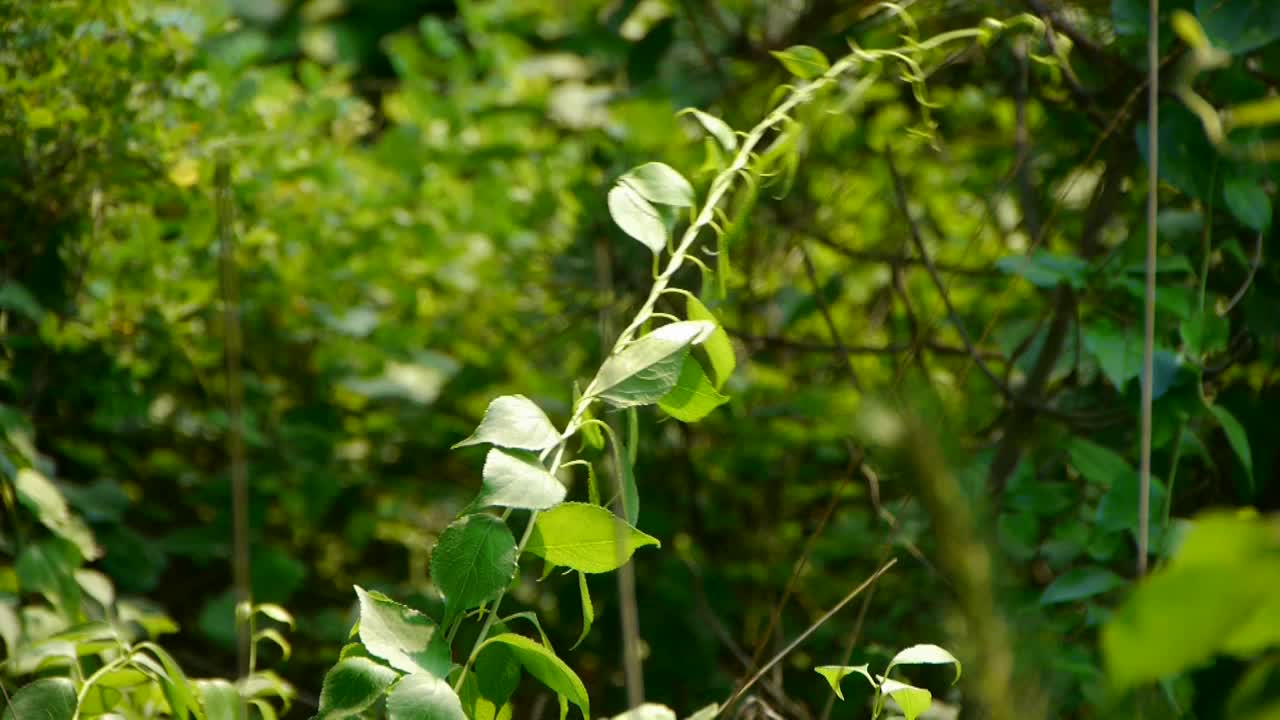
(418, 192)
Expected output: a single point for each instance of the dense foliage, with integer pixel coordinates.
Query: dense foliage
(801, 291)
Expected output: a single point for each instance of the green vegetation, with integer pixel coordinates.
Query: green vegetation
(537, 358)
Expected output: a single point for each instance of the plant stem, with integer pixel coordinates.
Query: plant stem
(1149, 302)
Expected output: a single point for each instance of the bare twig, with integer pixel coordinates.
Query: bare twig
(900, 192)
(825, 309)
(1254, 264)
(805, 635)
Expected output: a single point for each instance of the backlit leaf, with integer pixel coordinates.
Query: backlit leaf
(718, 349)
(693, 397)
(585, 538)
(803, 61)
(924, 655)
(836, 673)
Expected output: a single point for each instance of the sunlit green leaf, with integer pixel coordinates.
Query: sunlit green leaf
(836, 673)
(408, 640)
(514, 421)
(636, 217)
(924, 655)
(423, 696)
(518, 480)
(718, 128)
(659, 183)
(649, 367)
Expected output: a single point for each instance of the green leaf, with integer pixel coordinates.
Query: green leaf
(473, 562)
(1080, 583)
(353, 685)
(1248, 202)
(220, 700)
(518, 480)
(47, 699)
(924, 655)
(1099, 465)
(48, 567)
(585, 538)
(406, 639)
(547, 668)
(423, 696)
(911, 700)
(276, 637)
(15, 296)
(659, 183)
(718, 128)
(1118, 352)
(645, 370)
(588, 610)
(1204, 333)
(706, 713)
(693, 397)
(718, 349)
(178, 689)
(275, 612)
(1236, 436)
(648, 711)
(636, 217)
(514, 421)
(836, 673)
(803, 61)
(1118, 508)
(1045, 269)
(1239, 26)
(45, 501)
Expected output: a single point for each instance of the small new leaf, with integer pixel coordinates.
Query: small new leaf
(836, 673)
(718, 129)
(924, 655)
